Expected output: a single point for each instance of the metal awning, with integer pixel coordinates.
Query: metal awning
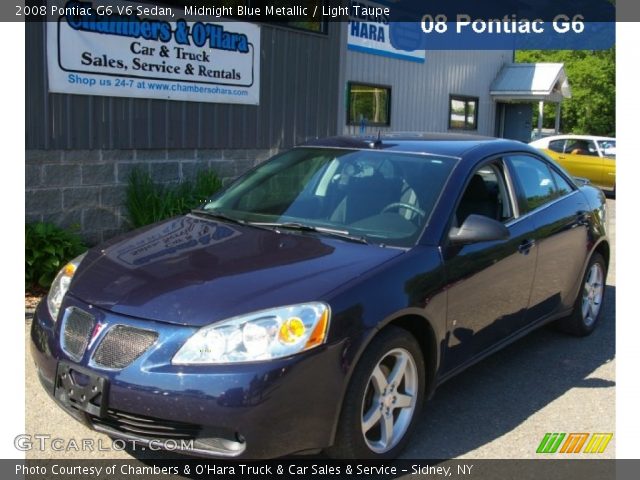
(518, 82)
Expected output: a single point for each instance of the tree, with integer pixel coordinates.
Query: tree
(592, 77)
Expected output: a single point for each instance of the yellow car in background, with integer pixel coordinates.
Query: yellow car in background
(584, 156)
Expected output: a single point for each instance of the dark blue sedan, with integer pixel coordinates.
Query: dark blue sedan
(319, 299)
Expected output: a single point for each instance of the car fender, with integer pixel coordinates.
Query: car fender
(598, 239)
(424, 299)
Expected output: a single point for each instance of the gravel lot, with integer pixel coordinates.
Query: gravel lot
(499, 408)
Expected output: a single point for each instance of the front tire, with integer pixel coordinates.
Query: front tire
(588, 306)
(383, 400)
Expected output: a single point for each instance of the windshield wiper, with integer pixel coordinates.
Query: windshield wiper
(223, 216)
(217, 214)
(344, 234)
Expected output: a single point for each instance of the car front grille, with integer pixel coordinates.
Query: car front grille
(77, 327)
(122, 345)
(147, 427)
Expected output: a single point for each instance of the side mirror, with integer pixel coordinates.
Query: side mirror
(478, 228)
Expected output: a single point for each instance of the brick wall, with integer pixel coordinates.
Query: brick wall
(85, 189)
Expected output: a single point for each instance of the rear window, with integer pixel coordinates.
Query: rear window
(537, 182)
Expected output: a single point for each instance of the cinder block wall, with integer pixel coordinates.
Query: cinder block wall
(85, 189)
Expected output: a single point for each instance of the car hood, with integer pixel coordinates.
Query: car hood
(195, 271)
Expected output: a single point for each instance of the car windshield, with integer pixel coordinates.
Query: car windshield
(369, 195)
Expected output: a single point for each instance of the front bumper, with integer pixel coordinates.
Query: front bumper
(258, 410)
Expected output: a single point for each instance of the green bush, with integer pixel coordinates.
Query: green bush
(149, 202)
(48, 248)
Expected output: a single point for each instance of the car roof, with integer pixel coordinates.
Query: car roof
(569, 135)
(446, 144)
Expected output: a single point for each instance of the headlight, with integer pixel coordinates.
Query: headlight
(60, 286)
(264, 335)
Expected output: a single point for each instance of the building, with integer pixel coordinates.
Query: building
(100, 103)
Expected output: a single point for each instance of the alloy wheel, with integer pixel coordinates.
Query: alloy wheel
(592, 294)
(390, 400)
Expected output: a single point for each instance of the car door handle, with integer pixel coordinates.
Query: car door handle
(525, 246)
(561, 157)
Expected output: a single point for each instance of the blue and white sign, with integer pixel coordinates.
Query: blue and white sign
(370, 33)
(113, 50)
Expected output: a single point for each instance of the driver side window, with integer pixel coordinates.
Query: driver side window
(581, 147)
(486, 194)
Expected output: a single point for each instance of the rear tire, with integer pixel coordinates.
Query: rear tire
(383, 400)
(588, 307)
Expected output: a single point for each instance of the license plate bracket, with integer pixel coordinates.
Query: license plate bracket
(81, 389)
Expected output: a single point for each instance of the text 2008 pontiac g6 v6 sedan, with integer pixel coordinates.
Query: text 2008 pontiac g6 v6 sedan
(315, 302)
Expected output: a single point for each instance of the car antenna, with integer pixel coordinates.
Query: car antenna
(377, 142)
